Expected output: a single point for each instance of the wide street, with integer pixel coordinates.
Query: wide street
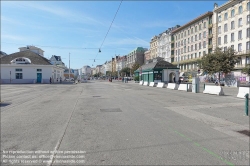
(119, 123)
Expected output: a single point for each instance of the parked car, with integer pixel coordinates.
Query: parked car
(184, 79)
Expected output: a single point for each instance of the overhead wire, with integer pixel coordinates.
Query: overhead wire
(109, 28)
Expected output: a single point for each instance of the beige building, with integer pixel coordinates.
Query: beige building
(231, 26)
(192, 41)
(154, 47)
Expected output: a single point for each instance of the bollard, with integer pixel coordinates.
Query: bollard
(246, 103)
(204, 86)
(195, 88)
(187, 87)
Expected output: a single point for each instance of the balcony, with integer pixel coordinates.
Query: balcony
(210, 26)
(210, 36)
(172, 48)
(210, 46)
(242, 53)
(186, 61)
(172, 41)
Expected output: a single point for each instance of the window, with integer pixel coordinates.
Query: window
(219, 29)
(188, 32)
(225, 39)
(19, 69)
(195, 28)
(204, 44)
(248, 19)
(185, 34)
(205, 24)
(38, 70)
(240, 9)
(239, 47)
(248, 32)
(225, 16)
(248, 45)
(248, 6)
(225, 48)
(185, 49)
(188, 40)
(188, 49)
(19, 75)
(204, 34)
(184, 42)
(195, 37)
(240, 22)
(204, 52)
(200, 27)
(219, 40)
(199, 54)
(219, 18)
(181, 35)
(232, 13)
(232, 37)
(191, 47)
(232, 25)
(232, 46)
(199, 45)
(225, 27)
(240, 35)
(192, 31)
(192, 39)
(200, 36)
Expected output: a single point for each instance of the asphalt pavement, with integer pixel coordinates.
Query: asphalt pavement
(116, 123)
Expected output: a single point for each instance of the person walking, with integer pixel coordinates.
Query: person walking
(50, 80)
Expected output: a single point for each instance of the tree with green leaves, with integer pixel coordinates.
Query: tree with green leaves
(218, 61)
(126, 71)
(134, 67)
(246, 70)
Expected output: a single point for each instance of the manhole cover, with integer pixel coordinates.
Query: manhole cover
(246, 132)
(111, 110)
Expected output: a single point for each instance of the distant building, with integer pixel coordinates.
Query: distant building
(136, 56)
(56, 60)
(34, 49)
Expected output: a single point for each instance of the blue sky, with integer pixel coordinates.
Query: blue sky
(63, 27)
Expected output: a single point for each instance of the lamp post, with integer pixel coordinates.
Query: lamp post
(69, 66)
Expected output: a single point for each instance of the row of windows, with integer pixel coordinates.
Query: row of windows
(240, 47)
(191, 48)
(240, 11)
(232, 36)
(193, 38)
(192, 31)
(233, 24)
(22, 70)
(191, 56)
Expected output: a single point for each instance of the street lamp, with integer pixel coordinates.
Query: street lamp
(69, 66)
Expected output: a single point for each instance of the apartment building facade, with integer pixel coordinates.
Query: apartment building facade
(154, 47)
(232, 29)
(192, 41)
(136, 56)
(164, 44)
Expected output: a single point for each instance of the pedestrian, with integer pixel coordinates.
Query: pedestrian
(174, 79)
(60, 79)
(50, 80)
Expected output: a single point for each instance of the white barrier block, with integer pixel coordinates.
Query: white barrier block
(141, 82)
(152, 84)
(243, 91)
(172, 86)
(161, 85)
(185, 87)
(215, 90)
(145, 83)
